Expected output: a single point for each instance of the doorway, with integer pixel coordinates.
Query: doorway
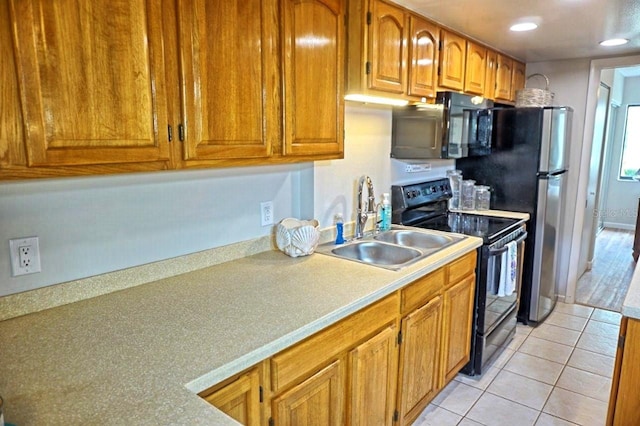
(605, 265)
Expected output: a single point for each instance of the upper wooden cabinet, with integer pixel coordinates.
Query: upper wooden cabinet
(125, 86)
(518, 78)
(228, 78)
(91, 80)
(453, 57)
(490, 74)
(504, 70)
(423, 57)
(387, 47)
(476, 69)
(391, 52)
(313, 35)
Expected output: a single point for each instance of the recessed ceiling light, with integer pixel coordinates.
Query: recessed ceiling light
(524, 26)
(614, 42)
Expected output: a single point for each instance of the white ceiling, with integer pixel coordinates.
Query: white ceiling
(566, 28)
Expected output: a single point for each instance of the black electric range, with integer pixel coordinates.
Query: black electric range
(424, 205)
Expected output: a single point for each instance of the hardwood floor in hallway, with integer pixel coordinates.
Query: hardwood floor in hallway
(606, 284)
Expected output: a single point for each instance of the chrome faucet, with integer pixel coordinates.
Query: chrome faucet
(361, 214)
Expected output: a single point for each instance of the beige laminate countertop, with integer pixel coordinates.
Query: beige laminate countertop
(140, 355)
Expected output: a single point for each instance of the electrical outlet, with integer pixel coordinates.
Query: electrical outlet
(25, 255)
(266, 213)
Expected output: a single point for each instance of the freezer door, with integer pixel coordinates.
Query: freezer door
(544, 292)
(554, 146)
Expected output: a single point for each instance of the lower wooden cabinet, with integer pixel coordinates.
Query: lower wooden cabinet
(420, 362)
(380, 366)
(458, 316)
(373, 367)
(625, 398)
(239, 399)
(319, 400)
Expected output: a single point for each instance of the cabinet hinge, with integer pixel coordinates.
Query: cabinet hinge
(181, 132)
(621, 342)
(261, 390)
(439, 44)
(271, 422)
(438, 70)
(368, 18)
(396, 416)
(367, 67)
(169, 133)
(400, 337)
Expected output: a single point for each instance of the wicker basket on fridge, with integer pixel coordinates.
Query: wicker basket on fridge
(531, 97)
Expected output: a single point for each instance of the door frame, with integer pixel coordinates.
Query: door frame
(596, 67)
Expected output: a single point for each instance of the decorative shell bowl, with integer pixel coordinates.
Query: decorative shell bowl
(297, 237)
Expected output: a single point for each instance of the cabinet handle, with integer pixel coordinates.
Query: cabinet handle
(181, 132)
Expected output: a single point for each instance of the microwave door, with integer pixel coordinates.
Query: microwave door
(477, 135)
(457, 131)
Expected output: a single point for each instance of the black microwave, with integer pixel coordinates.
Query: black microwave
(456, 126)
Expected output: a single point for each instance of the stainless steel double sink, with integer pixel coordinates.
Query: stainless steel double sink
(394, 249)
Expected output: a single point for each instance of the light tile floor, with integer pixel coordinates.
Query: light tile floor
(558, 373)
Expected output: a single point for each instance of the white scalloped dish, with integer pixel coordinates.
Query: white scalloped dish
(297, 237)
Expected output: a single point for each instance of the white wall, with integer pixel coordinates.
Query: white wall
(621, 204)
(89, 226)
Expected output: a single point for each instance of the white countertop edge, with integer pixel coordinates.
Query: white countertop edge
(250, 359)
(631, 304)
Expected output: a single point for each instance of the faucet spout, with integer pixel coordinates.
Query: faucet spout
(362, 212)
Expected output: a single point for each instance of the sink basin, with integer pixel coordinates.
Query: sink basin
(393, 249)
(378, 253)
(416, 239)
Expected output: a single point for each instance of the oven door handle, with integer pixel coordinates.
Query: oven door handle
(496, 252)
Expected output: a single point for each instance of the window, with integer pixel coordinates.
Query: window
(631, 149)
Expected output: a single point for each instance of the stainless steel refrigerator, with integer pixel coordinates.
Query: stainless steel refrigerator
(527, 171)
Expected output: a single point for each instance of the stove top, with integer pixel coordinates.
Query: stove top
(424, 205)
(489, 228)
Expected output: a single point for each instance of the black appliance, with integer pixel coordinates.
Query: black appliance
(456, 126)
(424, 205)
(527, 172)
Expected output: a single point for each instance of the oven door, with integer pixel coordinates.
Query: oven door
(504, 261)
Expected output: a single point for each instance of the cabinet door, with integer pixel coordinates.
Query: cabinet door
(229, 78)
(373, 373)
(314, 45)
(458, 317)
(420, 359)
(504, 69)
(452, 61)
(91, 81)
(476, 69)
(319, 400)
(240, 399)
(423, 57)
(517, 78)
(490, 75)
(625, 399)
(387, 48)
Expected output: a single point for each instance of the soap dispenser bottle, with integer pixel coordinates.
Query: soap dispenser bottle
(385, 212)
(339, 221)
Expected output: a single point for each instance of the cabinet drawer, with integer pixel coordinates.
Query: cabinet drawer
(421, 291)
(458, 269)
(305, 357)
